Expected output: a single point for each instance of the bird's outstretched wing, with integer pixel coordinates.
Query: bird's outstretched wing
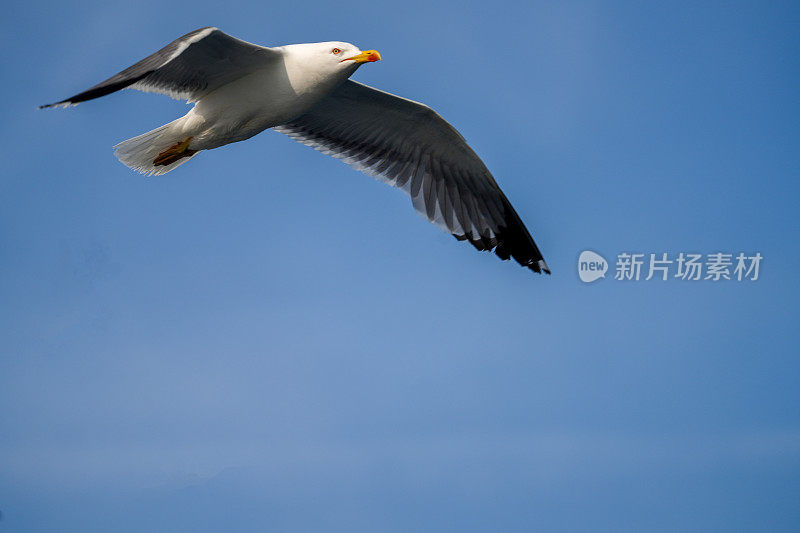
(186, 68)
(409, 146)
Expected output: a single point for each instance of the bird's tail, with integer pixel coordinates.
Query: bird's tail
(156, 152)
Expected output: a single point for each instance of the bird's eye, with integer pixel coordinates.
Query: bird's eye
(336, 51)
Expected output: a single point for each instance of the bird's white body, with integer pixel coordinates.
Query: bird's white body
(266, 98)
(294, 80)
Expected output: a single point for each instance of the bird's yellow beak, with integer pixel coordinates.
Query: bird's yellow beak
(365, 57)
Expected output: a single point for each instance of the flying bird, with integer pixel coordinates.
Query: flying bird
(240, 89)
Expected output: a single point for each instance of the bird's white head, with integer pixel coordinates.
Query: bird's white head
(332, 57)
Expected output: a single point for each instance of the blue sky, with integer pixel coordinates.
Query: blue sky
(266, 340)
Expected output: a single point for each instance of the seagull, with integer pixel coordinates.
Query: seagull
(240, 89)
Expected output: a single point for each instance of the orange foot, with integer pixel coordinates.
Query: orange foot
(174, 153)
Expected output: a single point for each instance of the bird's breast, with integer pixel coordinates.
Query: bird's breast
(249, 105)
(268, 97)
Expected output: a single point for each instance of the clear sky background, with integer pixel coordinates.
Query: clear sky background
(266, 340)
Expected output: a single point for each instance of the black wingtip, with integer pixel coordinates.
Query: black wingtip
(500, 248)
(62, 103)
(515, 240)
(539, 267)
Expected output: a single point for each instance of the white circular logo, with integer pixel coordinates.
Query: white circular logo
(591, 266)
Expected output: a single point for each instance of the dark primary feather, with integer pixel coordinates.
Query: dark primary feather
(410, 146)
(205, 64)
